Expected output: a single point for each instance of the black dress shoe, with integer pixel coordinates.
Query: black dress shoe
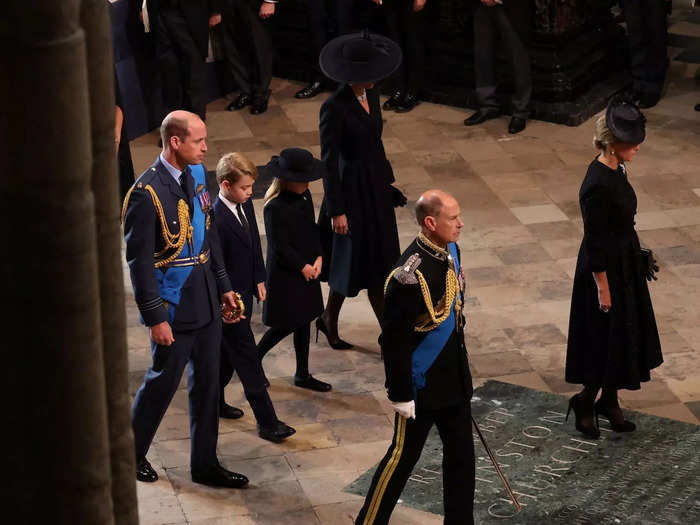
(218, 476)
(312, 383)
(311, 90)
(242, 101)
(393, 100)
(481, 116)
(229, 412)
(516, 125)
(409, 102)
(259, 106)
(648, 100)
(145, 472)
(276, 433)
(697, 107)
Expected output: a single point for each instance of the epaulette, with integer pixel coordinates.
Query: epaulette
(406, 273)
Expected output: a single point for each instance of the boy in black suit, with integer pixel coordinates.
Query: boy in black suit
(242, 254)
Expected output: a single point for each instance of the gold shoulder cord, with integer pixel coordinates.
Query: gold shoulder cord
(436, 318)
(172, 241)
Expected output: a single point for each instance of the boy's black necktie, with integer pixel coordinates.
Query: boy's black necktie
(244, 221)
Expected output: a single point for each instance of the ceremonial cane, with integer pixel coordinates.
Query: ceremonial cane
(497, 466)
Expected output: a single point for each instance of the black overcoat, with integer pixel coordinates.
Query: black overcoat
(617, 348)
(357, 184)
(292, 242)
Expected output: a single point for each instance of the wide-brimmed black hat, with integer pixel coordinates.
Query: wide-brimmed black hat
(295, 165)
(360, 57)
(625, 121)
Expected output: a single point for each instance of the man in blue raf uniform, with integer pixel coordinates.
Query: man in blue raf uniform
(179, 282)
(427, 372)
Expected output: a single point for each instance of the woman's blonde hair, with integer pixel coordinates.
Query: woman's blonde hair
(603, 136)
(233, 166)
(273, 191)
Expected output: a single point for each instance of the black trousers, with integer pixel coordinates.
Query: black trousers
(646, 37)
(239, 353)
(458, 465)
(182, 67)
(491, 24)
(327, 18)
(199, 350)
(406, 27)
(302, 339)
(248, 47)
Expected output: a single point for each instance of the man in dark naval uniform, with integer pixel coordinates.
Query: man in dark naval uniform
(427, 372)
(179, 283)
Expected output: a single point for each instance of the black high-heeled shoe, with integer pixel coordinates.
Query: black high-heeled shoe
(588, 431)
(602, 410)
(335, 344)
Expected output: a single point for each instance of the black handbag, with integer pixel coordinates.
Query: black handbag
(649, 266)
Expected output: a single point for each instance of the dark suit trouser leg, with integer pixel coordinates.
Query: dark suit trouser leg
(395, 468)
(646, 38)
(319, 27)
(157, 390)
(192, 63)
(262, 53)
(203, 384)
(412, 44)
(169, 67)
(237, 37)
(240, 354)
(520, 62)
(458, 464)
(485, 56)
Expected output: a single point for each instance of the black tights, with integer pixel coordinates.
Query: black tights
(302, 337)
(335, 302)
(608, 399)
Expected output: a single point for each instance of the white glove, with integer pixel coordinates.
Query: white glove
(406, 409)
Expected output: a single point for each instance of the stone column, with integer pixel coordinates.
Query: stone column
(94, 18)
(54, 412)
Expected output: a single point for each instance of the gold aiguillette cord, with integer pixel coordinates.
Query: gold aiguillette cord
(509, 490)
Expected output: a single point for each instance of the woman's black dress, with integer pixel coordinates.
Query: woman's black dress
(619, 348)
(357, 184)
(292, 242)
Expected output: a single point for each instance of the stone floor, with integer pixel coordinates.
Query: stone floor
(523, 228)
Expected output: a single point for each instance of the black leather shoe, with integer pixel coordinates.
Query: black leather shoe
(312, 383)
(229, 412)
(516, 125)
(393, 100)
(697, 107)
(602, 410)
(648, 100)
(259, 106)
(481, 116)
(335, 344)
(242, 101)
(311, 90)
(409, 102)
(277, 433)
(145, 472)
(218, 476)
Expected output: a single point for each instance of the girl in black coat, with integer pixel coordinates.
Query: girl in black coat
(613, 340)
(357, 219)
(293, 259)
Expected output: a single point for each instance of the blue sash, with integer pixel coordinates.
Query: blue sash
(429, 348)
(171, 281)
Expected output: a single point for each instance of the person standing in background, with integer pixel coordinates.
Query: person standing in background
(647, 36)
(507, 23)
(249, 52)
(405, 23)
(181, 31)
(325, 17)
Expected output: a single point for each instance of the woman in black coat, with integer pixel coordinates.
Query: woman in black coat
(613, 340)
(293, 259)
(357, 219)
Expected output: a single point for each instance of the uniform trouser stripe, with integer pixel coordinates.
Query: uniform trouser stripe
(387, 472)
